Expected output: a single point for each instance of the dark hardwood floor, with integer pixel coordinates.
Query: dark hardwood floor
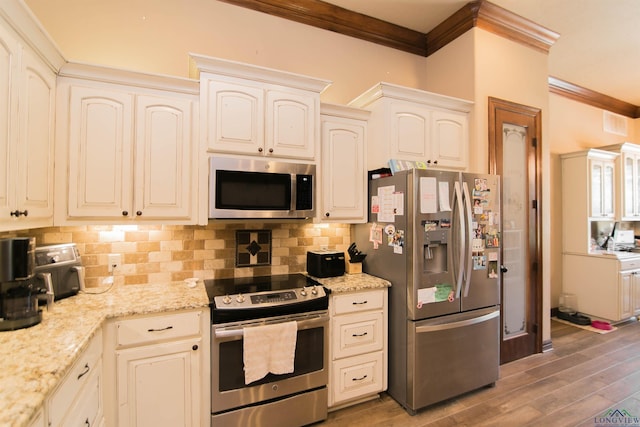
(584, 375)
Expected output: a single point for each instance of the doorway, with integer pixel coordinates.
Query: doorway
(514, 154)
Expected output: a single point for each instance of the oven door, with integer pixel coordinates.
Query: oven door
(228, 389)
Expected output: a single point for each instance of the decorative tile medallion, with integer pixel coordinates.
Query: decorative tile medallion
(253, 248)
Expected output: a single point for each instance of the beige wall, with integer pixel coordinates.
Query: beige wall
(157, 36)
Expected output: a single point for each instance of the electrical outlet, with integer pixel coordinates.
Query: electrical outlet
(114, 261)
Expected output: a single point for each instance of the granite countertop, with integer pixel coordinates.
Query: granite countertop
(352, 282)
(34, 360)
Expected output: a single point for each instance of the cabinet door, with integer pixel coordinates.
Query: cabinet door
(625, 295)
(635, 293)
(35, 147)
(234, 121)
(164, 158)
(8, 115)
(410, 132)
(343, 174)
(291, 124)
(602, 188)
(100, 154)
(449, 143)
(159, 385)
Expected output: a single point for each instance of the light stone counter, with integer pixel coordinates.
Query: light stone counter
(35, 359)
(352, 282)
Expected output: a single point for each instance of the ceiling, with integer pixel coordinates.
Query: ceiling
(598, 48)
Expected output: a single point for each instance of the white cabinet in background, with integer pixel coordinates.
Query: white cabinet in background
(605, 287)
(127, 148)
(78, 400)
(343, 176)
(161, 370)
(588, 194)
(627, 182)
(257, 111)
(411, 124)
(27, 101)
(358, 348)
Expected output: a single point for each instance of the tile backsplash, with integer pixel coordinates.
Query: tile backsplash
(167, 253)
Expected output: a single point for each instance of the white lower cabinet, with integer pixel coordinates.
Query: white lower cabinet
(161, 370)
(78, 400)
(358, 348)
(605, 287)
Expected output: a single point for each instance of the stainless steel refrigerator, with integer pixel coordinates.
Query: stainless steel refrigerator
(435, 235)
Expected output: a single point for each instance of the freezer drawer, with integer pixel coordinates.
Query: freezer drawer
(452, 355)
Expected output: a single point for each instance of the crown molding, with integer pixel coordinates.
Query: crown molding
(343, 21)
(590, 97)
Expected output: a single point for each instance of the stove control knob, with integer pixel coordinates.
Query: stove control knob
(240, 298)
(226, 299)
(314, 291)
(303, 292)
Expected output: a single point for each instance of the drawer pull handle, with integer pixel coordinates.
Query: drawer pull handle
(85, 371)
(359, 335)
(359, 379)
(359, 303)
(160, 330)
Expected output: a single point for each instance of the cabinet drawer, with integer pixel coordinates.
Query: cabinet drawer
(87, 411)
(357, 377)
(358, 301)
(81, 372)
(629, 264)
(357, 334)
(157, 328)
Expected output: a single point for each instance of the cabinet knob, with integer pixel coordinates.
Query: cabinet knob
(327, 214)
(270, 150)
(260, 150)
(195, 347)
(435, 162)
(139, 213)
(428, 162)
(125, 213)
(18, 213)
(503, 269)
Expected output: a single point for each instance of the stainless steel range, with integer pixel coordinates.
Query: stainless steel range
(278, 400)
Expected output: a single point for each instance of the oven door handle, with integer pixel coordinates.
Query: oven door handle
(304, 322)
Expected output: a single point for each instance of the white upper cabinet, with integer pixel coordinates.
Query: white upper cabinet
(627, 181)
(414, 125)
(28, 66)
(343, 174)
(127, 148)
(257, 111)
(588, 194)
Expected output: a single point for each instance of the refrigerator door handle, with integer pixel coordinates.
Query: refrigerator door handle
(458, 324)
(458, 198)
(467, 205)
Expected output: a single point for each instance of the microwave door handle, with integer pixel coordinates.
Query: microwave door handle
(467, 206)
(461, 254)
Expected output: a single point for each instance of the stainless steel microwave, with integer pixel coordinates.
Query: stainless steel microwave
(250, 188)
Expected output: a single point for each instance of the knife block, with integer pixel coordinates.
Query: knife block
(353, 267)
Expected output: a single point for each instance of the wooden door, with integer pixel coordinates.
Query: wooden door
(514, 154)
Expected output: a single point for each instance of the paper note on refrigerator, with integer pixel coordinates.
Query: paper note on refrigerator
(428, 195)
(427, 295)
(387, 202)
(443, 196)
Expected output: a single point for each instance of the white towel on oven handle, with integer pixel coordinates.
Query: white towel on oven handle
(269, 348)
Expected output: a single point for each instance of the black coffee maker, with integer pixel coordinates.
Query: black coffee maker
(18, 288)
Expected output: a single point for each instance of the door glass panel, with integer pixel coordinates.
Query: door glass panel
(607, 190)
(515, 226)
(628, 185)
(635, 189)
(596, 189)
